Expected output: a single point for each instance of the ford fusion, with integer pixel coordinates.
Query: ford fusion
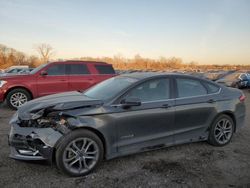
(123, 115)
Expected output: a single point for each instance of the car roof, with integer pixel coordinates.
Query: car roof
(145, 75)
(79, 61)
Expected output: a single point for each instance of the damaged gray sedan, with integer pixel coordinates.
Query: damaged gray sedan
(124, 115)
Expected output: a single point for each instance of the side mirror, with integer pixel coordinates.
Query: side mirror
(126, 103)
(43, 73)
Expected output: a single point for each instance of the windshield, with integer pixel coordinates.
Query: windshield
(38, 68)
(109, 88)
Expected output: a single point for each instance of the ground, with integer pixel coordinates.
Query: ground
(188, 165)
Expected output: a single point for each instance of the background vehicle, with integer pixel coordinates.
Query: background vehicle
(52, 78)
(237, 80)
(124, 115)
(26, 71)
(14, 70)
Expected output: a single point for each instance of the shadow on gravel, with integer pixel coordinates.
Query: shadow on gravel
(41, 162)
(162, 166)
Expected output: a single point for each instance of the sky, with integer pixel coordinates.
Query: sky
(204, 31)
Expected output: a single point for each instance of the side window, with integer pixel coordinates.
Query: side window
(58, 69)
(189, 88)
(105, 69)
(153, 90)
(76, 69)
(212, 88)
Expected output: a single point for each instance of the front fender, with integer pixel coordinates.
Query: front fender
(102, 125)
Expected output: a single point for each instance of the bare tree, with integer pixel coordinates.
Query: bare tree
(45, 51)
(20, 58)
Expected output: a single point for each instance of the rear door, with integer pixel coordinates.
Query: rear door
(195, 108)
(79, 76)
(55, 81)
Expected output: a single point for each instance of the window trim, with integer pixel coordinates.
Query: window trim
(209, 94)
(116, 102)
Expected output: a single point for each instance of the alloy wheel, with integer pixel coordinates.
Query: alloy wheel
(223, 131)
(80, 155)
(18, 99)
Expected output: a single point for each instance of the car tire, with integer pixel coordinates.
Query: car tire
(221, 131)
(17, 97)
(79, 161)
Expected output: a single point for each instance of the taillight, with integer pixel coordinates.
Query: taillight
(242, 98)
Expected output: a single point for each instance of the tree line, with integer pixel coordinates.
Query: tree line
(10, 56)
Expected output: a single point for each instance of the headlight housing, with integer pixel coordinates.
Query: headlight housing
(2, 82)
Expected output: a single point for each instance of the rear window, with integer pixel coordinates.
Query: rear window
(105, 69)
(212, 88)
(77, 69)
(189, 88)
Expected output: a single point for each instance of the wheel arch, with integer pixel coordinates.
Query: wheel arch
(93, 130)
(228, 113)
(19, 87)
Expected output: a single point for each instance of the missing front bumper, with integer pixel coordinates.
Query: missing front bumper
(27, 143)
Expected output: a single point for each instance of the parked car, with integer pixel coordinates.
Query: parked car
(237, 80)
(124, 115)
(14, 70)
(26, 71)
(52, 78)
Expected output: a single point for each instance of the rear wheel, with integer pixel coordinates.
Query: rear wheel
(17, 97)
(79, 153)
(221, 131)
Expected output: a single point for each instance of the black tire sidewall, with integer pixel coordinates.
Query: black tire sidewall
(70, 137)
(25, 92)
(211, 138)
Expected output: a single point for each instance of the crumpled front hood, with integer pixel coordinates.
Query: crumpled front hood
(57, 102)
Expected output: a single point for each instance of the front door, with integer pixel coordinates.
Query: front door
(54, 81)
(150, 125)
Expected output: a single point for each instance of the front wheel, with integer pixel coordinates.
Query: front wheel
(17, 97)
(221, 131)
(79, 153)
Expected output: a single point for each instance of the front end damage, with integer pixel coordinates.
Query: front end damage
(40, 124)
(36, 139)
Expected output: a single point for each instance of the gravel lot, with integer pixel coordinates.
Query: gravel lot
(188, 165)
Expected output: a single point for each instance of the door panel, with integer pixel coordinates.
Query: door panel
(195, 109)
(80, 77)
(148, 125)
(193, 116)
(55, 81)
(151, 124)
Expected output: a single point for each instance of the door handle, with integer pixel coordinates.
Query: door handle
(211, 101)
(165, 106)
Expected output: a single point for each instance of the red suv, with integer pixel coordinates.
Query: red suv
(52, 78)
